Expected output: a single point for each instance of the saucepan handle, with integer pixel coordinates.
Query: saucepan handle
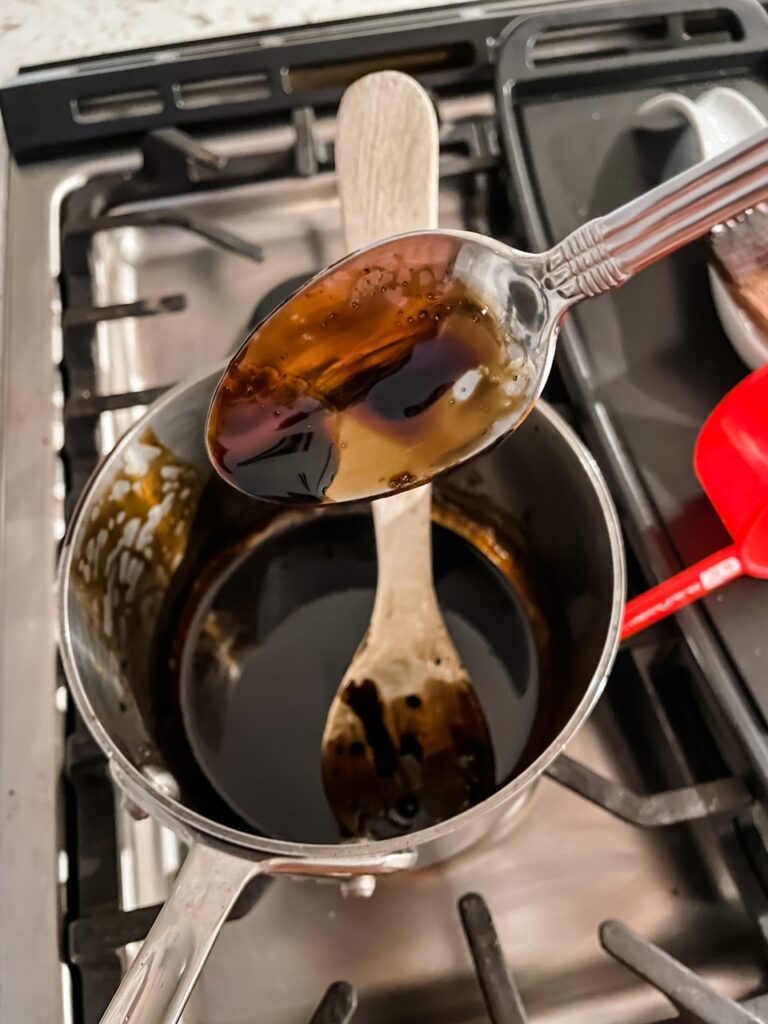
(161, 978)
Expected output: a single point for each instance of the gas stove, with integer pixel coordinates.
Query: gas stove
(141, 244)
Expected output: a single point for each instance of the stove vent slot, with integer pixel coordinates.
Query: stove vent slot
(342, 73)
(639, 35)
(115, 106)
(712, 26)
(216, 92)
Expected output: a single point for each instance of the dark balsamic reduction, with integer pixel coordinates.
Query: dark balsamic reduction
(272, 636)
(379, 374)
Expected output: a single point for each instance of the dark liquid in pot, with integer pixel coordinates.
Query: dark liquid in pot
(272, 637)
(381, 373)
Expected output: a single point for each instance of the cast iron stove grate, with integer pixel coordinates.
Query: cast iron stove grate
(696, 1001)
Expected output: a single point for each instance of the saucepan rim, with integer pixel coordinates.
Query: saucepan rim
(195, 826)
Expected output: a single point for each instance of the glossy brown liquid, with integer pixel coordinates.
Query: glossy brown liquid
(264, 649)
(379, 374)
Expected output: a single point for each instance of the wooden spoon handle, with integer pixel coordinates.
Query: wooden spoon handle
(387, 158)
(387, 163)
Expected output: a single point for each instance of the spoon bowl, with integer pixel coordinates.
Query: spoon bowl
(393, 365)
(407, 743)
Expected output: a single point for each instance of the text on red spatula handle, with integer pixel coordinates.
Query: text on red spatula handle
(682, 589)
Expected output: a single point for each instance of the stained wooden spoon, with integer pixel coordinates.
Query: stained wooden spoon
(406, 744)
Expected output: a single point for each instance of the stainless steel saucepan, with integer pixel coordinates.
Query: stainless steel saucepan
(151, 517)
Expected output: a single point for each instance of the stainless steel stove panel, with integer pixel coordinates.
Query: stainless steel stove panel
(31, 726)
(296, 222)
(550, 874)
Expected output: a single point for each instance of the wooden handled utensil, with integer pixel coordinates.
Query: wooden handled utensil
(406, 743)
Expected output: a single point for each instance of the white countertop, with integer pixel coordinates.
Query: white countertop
(36, 31)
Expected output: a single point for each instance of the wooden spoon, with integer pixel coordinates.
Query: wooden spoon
(406, 743)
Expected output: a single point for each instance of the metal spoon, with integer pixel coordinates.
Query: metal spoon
(373, 379)
(406, 743)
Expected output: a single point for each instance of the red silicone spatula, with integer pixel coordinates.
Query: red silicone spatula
(731, 462)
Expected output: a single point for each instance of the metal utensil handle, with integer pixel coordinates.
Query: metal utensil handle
(161, 978)
(606, 252)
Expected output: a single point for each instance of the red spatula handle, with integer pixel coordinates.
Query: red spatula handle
(684, 588)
